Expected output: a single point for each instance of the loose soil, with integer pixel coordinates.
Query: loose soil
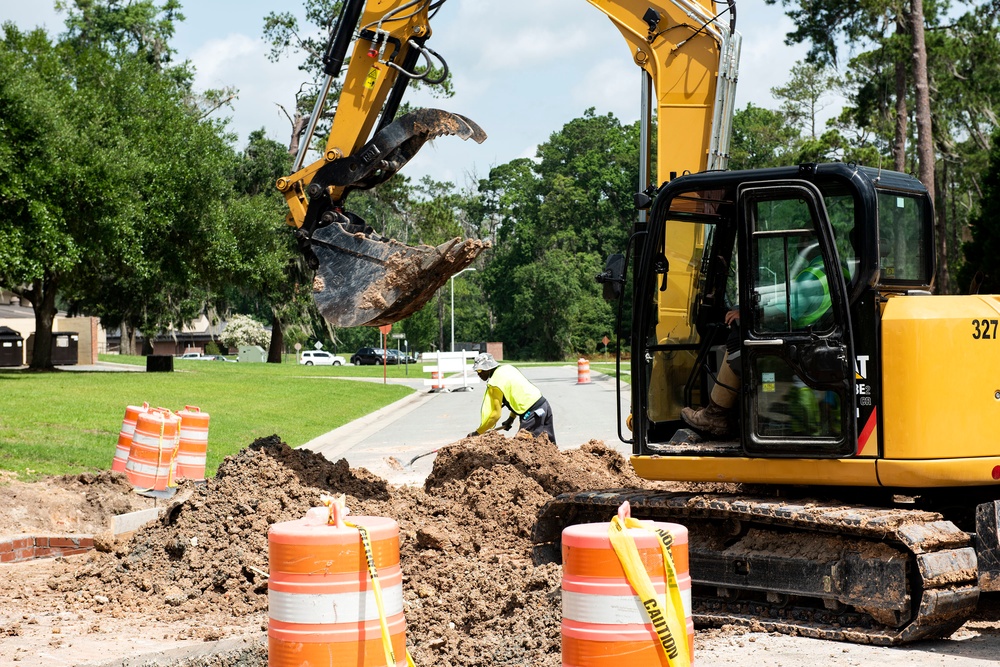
(472, 595)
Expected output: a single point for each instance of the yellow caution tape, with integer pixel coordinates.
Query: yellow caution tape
(666, 615)
(338, 503)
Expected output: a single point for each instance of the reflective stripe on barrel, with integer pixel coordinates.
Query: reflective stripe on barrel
(604, 623)
(321, 603)
(132, 413)
(151, 456)
(192, 448)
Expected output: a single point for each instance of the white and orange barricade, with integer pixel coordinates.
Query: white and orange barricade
(438, 383)
(150, 465)
(192, 448)
(582, 371)
(132, 413)
(324, 605)
(610, 615)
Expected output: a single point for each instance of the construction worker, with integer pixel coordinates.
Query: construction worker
(507, 387)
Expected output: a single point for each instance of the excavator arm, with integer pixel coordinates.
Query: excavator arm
(688, 56)
(362, 278)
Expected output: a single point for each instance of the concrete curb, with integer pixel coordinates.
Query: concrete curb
(239, 652)
(335, 443)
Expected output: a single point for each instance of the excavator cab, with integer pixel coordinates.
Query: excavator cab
(783, 248)
(363, 278)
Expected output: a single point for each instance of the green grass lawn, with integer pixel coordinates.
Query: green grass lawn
(68, 422)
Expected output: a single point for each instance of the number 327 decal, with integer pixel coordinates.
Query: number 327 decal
(985, 329)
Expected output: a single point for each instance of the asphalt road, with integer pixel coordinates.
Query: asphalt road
(385, 441)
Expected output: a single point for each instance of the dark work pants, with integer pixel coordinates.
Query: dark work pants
(538, 420)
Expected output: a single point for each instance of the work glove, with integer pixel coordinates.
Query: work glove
(506, 425)
(473, 434)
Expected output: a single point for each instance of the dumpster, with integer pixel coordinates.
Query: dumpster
(65, 347)
(159, 363)
(11, 347)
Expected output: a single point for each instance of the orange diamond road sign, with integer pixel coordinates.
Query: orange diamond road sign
(385, 328)
(605, 340)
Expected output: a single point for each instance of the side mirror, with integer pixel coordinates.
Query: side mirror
(613, 277)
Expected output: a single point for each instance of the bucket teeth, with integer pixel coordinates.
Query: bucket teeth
(367, 282)
(361, 278)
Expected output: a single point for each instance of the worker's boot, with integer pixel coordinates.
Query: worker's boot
(718, 418)
(714, 419)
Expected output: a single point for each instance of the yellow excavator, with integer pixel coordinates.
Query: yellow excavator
(853, 494)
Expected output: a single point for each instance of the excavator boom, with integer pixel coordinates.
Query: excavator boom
(365, 279)
(361, 277)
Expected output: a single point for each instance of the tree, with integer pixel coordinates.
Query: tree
(164, 244)
(132, 228)
(761, 138)
(980, 271)
(802, 98)
(137, 27)
(554, 220)
(242, 330)
(41, 185)
(269, 274)
(819, 22)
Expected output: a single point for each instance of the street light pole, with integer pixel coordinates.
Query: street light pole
(471, 268)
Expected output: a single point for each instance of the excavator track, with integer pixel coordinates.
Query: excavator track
(868, 575)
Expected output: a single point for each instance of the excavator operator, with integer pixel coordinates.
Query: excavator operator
(808, 306)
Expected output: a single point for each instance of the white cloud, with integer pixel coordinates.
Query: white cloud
(240, 61)
(522, 68)
(611, 86)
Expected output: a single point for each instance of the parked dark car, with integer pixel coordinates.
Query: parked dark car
(370, 356)
(401, 357)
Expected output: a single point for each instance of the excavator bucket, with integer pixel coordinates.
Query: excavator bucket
(362, 278)
(361, 281)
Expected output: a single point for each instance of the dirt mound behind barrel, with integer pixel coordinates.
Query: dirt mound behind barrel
(472, 594)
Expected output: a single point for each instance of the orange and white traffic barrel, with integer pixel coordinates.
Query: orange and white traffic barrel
(324, 608)
(582, 371)
(192, 448)
(605, 621)
(437, 384)
(132, 413)
(150, 464)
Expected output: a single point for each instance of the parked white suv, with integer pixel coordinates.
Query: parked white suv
(321, 358)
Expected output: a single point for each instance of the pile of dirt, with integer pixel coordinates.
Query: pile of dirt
(472, 594)
(70, 504)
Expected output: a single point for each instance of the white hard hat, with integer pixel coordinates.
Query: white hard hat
(484, 362)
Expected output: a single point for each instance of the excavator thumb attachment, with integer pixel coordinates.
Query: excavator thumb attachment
(361, 277)
(362, 281)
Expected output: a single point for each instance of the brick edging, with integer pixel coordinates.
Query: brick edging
(19, 548)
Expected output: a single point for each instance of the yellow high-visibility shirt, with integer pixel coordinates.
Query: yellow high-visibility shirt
(506, 382)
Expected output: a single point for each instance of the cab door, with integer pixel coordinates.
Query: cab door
(796, 352)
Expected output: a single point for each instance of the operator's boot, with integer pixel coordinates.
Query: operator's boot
(718, 418)
(714, 419)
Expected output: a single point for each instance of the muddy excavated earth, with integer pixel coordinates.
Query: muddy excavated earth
(472, 595)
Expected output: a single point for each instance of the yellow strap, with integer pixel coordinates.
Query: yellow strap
(338, 510)
(666, 616)
(390, 656)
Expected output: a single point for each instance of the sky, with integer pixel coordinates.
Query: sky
(521, 68)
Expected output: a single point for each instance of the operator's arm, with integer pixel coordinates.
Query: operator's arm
(491, 410)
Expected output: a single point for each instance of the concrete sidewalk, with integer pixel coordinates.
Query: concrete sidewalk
(386, 440)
